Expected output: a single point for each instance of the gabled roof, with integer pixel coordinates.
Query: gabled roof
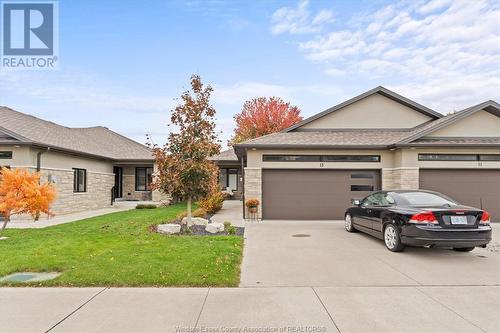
(378, 90)
(225, 156)
(489, 106)
(377, 138)
(95, 141)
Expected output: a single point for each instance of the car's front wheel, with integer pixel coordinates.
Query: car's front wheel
(392, 238)
(348, 223)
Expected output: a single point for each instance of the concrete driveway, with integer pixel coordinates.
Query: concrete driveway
(332, 281)
(276, 255)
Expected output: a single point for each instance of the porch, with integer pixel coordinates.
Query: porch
(133, 181)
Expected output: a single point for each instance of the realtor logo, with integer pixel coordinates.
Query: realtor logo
(29, 35)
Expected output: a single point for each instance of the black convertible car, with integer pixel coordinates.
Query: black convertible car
(419, 218)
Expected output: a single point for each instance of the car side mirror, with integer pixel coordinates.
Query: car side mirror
(356, 202)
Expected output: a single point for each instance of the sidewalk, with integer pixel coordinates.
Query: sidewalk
(231, 211)
(61, 219)
(325, 309)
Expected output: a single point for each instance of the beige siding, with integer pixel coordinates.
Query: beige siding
(375, 111)
(479, 124)
(255, 159)
(410, 159)
(58, 168)
(400, 168)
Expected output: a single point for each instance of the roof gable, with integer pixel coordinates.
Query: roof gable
(482, 120)
(382, 102)
(7, 136)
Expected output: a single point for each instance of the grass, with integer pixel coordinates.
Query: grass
(119, 250)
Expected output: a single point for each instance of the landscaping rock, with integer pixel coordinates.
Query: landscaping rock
(3, 238)
(169, 228)
(195, 221)
(214, 228)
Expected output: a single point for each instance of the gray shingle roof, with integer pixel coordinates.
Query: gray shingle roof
(97, 141)
(354, 137)
(226, 155)
(457, 141)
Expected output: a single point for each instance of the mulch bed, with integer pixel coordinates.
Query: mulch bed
(199, 230)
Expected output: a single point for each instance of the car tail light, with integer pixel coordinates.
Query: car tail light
(424, 218)
(485, 219)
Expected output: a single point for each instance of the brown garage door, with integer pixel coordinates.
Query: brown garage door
(477, 188)
(314, 194)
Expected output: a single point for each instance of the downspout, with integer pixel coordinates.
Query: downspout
(38, 167)
(39, 159)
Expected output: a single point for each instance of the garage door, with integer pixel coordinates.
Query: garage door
(477, 188)
(314, 194)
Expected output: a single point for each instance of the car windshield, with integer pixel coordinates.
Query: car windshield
(425, 198)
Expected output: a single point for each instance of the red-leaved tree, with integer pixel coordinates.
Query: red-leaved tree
(261, 116)
(22, 193)
(184, 169)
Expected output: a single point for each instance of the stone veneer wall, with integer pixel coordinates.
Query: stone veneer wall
(253, 187)
(129, 187)
(98, 193)
(400, 178)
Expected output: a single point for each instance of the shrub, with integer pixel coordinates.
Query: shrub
(226, 195)
(231, 230)
(200, 212)
(145, 206)
(181, 215)
(227, 224)
(213, 203)
(252, 203)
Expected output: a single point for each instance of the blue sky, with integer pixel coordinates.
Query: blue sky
(123, 63)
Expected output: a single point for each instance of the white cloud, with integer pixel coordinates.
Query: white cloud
(299, 19)
(434, 47)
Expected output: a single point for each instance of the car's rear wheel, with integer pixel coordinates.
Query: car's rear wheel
(463, 249)
(392, 238)
(348, 223)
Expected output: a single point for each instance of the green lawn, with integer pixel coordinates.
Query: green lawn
(119, 250)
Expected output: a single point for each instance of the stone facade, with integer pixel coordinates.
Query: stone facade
(400, 178)
(129, 192)
(253, 187)
(97, 196)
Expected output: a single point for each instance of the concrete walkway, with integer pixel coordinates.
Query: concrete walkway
(293, 309)
(231, 211)
(67, 218)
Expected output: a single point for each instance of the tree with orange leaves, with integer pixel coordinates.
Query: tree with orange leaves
(22, 193)
(261, 116)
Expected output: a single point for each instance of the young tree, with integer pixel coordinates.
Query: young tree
(184, 169)
(261, 116)
(22, 193)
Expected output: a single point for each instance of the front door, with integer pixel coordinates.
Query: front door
(118, 171)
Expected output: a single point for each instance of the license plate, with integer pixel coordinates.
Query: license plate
(458, 219)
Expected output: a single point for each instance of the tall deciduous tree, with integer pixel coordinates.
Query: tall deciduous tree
(184, 169)
(261, 116)
(22, 193)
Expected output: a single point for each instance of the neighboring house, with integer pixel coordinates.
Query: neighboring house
(378, 140)
(88, 166)
(230, 174)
